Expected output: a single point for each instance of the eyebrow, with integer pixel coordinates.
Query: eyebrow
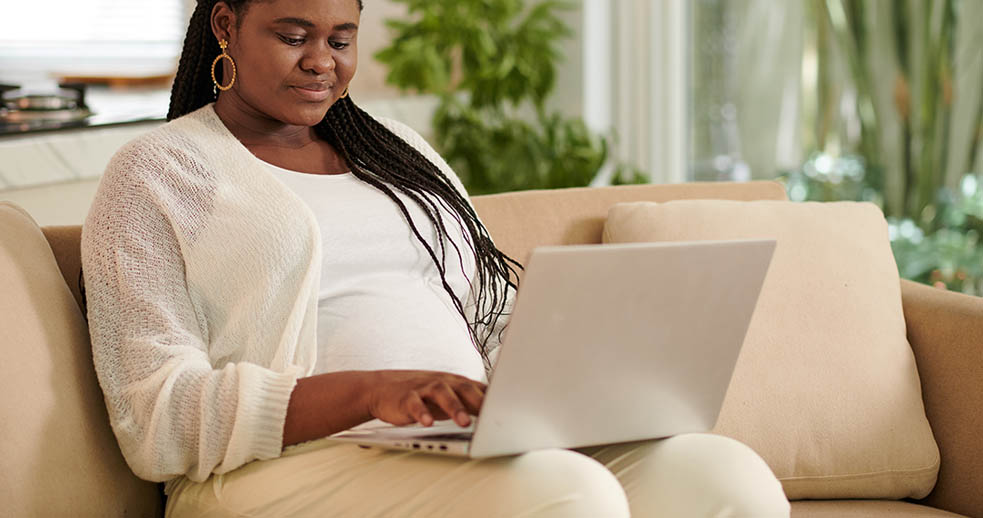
(303, 22)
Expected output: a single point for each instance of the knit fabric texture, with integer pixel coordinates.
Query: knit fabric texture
(202, 274)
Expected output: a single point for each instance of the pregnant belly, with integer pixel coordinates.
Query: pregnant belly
(376, 327)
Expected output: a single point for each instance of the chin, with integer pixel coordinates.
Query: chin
(307, 116)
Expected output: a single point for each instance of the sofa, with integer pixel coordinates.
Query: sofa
(61, 458)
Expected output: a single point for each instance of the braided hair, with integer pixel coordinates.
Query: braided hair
(381, 159)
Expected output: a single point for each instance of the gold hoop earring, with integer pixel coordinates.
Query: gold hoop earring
(222, 43)
(344, 94)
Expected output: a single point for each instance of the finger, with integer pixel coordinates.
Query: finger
(437, 412)
(479, 386)
(472, 396)
(445, 397)
(416, 409)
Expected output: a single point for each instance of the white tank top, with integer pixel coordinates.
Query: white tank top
(381, 303)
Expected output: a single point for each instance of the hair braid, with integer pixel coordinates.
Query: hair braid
(191, 89)
(383, 160)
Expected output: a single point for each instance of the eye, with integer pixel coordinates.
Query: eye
(338, 45)
(289, 40)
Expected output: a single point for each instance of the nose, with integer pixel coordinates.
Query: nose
(318, 60)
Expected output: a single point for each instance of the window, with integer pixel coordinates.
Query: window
(634, 81)
(90, 38)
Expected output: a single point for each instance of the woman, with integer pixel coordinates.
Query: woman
(276, 266)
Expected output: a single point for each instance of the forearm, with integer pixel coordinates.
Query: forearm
(326, 404)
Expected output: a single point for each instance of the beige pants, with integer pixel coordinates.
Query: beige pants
(688, 475)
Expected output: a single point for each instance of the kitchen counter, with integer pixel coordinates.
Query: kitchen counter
(33, 154)
(109, 107)
(38, 158)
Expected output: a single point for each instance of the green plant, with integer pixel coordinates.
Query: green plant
(950, 256)
(824, 177)
(492, 66)
(905, 109)
(945, 252)
(912, 151)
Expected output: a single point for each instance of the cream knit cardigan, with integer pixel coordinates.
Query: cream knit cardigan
(202, 273)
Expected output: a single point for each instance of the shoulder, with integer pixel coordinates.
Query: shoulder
(170, 170)
(180, 142)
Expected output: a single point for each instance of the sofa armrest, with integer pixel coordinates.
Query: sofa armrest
(945, 330)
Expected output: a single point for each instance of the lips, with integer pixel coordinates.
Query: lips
(314, 86)
(313, 92)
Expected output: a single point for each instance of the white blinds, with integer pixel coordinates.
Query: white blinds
(91, 21)
(90, 37)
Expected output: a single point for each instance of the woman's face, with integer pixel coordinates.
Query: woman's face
(294, 58)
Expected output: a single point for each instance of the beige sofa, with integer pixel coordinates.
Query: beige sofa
(61, 459)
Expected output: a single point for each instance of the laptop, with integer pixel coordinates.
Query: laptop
(607, 344)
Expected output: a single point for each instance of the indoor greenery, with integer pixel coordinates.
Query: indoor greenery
(945, 251)
(912, 71)
(950, 255)
(492, 65)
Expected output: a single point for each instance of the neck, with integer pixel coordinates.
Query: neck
(253, 128)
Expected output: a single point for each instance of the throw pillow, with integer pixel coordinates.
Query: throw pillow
(825, 389)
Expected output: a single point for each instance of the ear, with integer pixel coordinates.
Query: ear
(223, 21)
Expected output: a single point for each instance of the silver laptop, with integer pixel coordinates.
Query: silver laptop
(608, 344)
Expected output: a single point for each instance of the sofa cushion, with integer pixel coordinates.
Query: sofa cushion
(60, 457)
(865, 509)
(826, 389)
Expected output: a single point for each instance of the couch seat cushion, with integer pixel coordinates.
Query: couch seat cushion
(826, 388)
(865, 509)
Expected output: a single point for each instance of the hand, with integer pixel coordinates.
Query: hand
(403, 397)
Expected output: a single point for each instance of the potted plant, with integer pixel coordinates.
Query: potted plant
(492, 66)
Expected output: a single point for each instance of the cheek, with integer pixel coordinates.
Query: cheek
(348, 65)
(267, 71)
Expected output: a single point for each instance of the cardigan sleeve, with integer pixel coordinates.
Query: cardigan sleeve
(493, 328)
(172, 411)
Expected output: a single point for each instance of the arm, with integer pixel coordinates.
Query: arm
(945, 330)
(173, 413)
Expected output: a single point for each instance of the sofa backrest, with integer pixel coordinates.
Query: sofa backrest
(517, 221)
(521, 221)
(60, 457)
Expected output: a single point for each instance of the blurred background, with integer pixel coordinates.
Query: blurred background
(866, 100)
